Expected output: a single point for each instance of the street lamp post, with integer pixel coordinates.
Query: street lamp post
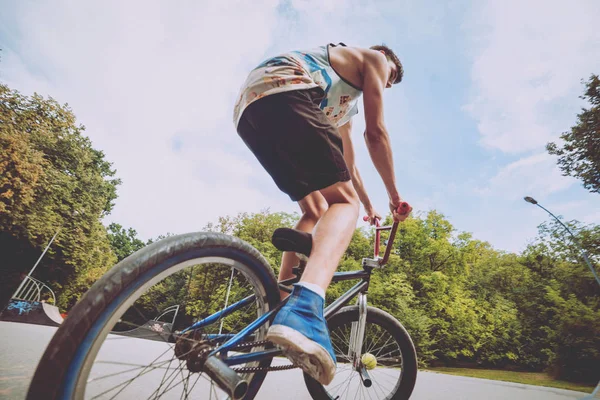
(531, 200)
(583, 253)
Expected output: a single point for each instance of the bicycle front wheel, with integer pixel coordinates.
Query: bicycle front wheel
(385, 339)
(117, 341)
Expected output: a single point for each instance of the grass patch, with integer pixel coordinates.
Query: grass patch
(527, 378)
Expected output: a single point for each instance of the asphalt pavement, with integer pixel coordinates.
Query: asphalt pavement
(22, 346)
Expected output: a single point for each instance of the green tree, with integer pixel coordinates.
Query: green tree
(462, 301)
(123, 242)
(559, 308)
(256, 229)
(562, 246)
(580, 155)
(576, 334)
(51, 179)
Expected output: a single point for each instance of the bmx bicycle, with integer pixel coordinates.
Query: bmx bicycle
(216, 348)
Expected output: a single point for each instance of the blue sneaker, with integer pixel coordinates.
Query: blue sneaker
(299, 328)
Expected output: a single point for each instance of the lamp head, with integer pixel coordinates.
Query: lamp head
(530, 200)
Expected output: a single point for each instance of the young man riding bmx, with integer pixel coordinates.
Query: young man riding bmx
(294, 113)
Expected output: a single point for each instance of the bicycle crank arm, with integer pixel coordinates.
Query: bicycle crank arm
(225, 377)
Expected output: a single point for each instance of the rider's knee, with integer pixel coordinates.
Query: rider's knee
(315, 209)
(352, 198)
(342, 192)
(355, 201)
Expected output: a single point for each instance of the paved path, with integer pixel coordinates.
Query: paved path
(22, 345)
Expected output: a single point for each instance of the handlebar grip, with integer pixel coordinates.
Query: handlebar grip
(366, 218)
(403, 208)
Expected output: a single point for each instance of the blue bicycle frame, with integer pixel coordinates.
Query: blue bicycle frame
(232, 340)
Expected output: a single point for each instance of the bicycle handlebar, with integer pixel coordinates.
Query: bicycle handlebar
(402, 209)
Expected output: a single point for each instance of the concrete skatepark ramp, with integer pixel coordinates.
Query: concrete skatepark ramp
(31, 312)
(151, 330)
(40, 313)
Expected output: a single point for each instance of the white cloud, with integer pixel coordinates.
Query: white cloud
(139, 74)
(593, 218)
(586, 212)
(568, 206)
(536, 175)
(316, 6)
(529, 59)
(155, 86)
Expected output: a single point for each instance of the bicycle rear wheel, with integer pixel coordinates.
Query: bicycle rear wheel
(386, 339)
(110, 347)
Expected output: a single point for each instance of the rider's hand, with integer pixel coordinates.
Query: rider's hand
(372, 215)
(394, 209)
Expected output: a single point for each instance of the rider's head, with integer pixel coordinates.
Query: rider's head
(393, 60)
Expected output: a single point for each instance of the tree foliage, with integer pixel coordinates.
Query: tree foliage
(123, 242)
(51, 179)
(463, 302)
(580, 155)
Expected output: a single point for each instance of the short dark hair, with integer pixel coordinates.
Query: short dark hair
(393, 57)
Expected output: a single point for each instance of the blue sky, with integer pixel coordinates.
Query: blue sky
(487, 84)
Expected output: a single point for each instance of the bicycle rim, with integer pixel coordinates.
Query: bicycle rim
(120, 366)
(393, 376)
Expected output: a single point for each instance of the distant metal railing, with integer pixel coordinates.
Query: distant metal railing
(32, 289)
(173, 309)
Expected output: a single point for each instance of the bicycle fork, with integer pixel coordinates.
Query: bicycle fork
(357, 336)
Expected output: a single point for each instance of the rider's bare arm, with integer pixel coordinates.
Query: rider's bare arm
(345, 131)
(375, 77)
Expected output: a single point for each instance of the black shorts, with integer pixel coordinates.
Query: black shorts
(294, 141)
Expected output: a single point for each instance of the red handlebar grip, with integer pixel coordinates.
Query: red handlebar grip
(403, 208)
(366, 218)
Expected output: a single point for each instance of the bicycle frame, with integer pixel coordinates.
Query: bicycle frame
(231, 340)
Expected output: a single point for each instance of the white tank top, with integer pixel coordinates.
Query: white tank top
(299, 70)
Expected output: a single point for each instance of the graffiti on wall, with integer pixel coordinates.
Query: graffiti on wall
(23, 307)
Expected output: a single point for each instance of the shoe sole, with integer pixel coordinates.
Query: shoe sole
(310, 356)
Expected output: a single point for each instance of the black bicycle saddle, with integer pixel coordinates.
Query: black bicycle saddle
(286, 239)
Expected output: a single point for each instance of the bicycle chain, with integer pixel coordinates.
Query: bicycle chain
(250, 344)
(242, 370)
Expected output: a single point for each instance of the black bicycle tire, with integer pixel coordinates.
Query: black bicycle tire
(49, 377)
(392, 325)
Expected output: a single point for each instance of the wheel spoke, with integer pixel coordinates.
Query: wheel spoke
(125, 371)
(379, 341)
(379, 349)
(208, 288)
(169, 387)
(194, 385)
(127, 382)
(164, 378)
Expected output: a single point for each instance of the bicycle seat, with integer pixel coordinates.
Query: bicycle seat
(286, 239)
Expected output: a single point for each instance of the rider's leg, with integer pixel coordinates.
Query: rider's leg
(300, 327)
(332, 233)
(313, 207)
(302, 150)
